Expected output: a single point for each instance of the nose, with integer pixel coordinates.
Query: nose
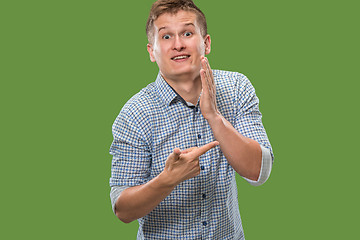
(178, 44)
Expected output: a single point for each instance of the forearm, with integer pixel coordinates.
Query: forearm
(136, 202)
(242, 153)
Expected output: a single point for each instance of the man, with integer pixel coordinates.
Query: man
(178, 141)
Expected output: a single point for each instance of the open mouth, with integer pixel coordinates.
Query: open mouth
(180, 57)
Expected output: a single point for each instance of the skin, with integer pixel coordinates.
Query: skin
(179, 35)
(176, 35)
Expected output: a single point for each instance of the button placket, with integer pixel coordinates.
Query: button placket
(200, 139)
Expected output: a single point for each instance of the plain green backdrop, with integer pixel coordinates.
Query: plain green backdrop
(67, 68)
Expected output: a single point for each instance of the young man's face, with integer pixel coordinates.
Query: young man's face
(178, 45)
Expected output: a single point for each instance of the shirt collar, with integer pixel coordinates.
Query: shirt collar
(165, 91)
(168, 94)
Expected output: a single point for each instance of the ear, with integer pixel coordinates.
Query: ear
(207, 42)
(150, 49)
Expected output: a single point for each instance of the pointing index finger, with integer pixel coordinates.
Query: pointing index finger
(203, 149)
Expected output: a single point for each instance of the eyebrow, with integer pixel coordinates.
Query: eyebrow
(186, 24)
(161, 28)
(189, 24)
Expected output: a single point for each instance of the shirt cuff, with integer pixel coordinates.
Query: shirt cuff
(266, 165)
(115, 194)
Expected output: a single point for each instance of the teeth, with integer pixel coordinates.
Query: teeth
(180, 57)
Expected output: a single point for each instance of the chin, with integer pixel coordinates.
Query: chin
(188, 70)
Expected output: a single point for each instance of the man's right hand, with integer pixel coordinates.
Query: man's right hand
(183, 165)
(137, 201)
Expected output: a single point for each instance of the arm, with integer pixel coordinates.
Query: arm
(136, 202)
(243, 154)
(266, 165)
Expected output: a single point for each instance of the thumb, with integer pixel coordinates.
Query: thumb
(176, 153)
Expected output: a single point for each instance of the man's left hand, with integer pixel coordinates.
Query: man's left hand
(208, 96)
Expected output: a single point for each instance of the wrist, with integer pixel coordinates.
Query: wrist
(166, 181)
(215, 119)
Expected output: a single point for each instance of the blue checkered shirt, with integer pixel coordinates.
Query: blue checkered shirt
(154, 122)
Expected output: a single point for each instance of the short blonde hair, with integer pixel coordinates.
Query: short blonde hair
(173, 6)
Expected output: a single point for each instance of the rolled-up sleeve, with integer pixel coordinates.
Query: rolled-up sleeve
(131, 155)
(248, 122)
(266, 166)
(115, 194)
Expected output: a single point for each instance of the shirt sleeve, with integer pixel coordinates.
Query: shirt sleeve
(115, 194)
(266, 165)
(130, 149)
(248, 122)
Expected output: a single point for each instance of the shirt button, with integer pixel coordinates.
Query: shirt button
(204, 196)
(204, 223)
(202, 168)
(199, 136)
(196, 109)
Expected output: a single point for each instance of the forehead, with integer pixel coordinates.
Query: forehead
(170, 20)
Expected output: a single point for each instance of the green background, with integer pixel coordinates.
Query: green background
(67, 68)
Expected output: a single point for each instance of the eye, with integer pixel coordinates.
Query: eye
(187, 34)
(167, 36)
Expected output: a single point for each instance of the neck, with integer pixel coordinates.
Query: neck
(189, 88)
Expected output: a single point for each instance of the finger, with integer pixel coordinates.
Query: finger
(208, 74)
(209, 69)
(204, 83)
(204, 66)
(203, 63)
(207, 63)
(176, 154)
(203, 149)
(188, 150)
